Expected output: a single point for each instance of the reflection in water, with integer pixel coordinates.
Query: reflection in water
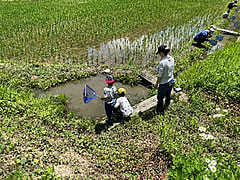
(96, 107)
(121, 51)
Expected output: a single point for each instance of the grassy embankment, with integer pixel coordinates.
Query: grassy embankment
(38, 134)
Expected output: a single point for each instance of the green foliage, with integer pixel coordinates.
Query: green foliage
(38, 75)
(218, 75)
(38, 134)
(187, 57)
(194, 166)
(44, 174)
(60, 30)
(131, 78)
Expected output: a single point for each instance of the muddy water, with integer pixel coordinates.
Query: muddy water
(96, 107)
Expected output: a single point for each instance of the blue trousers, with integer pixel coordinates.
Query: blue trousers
(109, 111)
(164, 90)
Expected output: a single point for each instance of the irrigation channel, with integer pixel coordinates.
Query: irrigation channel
(95, 108)
(142, 50)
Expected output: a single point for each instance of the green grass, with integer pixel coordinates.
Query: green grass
(27, 76)
(39, 138)
(58, 30)
(142, 147)
(217, 75)
(147, 146)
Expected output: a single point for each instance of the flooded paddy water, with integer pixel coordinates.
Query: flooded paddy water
(143, 49)
(95, 108)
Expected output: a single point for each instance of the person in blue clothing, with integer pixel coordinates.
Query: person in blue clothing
(203, 36)
(231, 5)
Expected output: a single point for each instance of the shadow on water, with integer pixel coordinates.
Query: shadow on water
(95, 108)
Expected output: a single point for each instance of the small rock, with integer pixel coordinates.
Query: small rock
(34, 77)
(107, 71)
(183, 97)
(218, 115)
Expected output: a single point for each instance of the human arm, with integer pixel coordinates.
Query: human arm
(105, 94)
(159, 76)
(157, 82)
(209, 35)
(117, 103)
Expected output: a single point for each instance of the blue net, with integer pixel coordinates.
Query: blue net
(219, 38)
(88, 94)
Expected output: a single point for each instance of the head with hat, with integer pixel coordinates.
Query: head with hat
(122, 92)
(163, 50)
(210, 30)
(109, 79)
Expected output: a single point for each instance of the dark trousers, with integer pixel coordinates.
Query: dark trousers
(109, 111)
(201, 40)
(118, 115)
(164, 90)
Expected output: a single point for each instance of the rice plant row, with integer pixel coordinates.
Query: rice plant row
(142, 50)
(61, 30)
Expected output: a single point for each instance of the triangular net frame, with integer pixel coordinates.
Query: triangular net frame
(88, 94)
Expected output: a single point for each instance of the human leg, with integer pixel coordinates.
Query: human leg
(168, 96)
(109, 109)
(160, 96)
(117, 114)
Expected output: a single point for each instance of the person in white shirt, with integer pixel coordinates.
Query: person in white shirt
(165, 78)
(123, 105)
(110, 94)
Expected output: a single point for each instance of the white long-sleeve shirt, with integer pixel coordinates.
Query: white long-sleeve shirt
(125, 106)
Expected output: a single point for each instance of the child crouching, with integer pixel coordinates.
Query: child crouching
(123, 105)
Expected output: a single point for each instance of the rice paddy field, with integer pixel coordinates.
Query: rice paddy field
(45, 43)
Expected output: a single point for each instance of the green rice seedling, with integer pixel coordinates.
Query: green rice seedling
(45, 23)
